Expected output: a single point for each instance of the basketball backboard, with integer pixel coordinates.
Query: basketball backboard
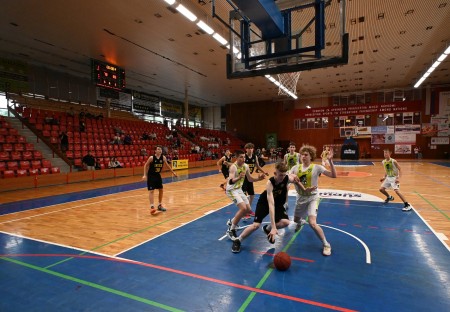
(271, 37)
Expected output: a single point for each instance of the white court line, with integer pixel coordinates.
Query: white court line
(55, 244)
(368, 256)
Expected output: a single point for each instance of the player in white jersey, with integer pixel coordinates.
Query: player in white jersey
(391, 179)
(238, 172)
(307, 195)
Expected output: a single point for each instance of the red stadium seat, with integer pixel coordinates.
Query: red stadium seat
(4, 156)
(24, 164)
(7, 147)
(46, 163)
(16, 156)
(18, 147)
(33, 171)
(12, 165)
(22, 173)
(29, 147)
(55, 170)
(37, 155)
(35, 164)
(2, 166)
(27, 155)
(9, 174)
(44, 171)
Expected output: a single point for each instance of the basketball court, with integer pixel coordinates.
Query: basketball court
(383, 259)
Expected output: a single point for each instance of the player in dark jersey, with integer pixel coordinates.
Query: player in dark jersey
(152, 173)
(224, 163)
(252, 161)
(271, 202)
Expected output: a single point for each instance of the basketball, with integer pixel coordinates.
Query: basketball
(282, 261)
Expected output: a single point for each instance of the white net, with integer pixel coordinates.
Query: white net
(288, 83)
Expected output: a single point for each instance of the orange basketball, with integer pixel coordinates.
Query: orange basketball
(282, 261)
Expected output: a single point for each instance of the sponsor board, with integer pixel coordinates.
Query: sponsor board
(180, 164)
(342, 194)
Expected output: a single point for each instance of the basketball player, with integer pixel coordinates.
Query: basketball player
(252, 161)
(291, 159)
(271, 202)
(223, 165)
(391, 179)
(324, 156)
(307, 196)
(152, 173)
(239, 171)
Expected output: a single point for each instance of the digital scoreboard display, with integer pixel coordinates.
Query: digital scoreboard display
(107, 75)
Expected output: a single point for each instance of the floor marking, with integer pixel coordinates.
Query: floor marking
(153, 266)
(368, 256)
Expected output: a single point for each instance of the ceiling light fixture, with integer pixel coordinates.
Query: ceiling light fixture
(220, 39)
(188, 14)
(440, 59)
(205, 27)
(170, 2)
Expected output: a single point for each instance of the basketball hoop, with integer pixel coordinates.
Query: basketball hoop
(288, 83)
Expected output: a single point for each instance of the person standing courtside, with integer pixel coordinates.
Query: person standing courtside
(391, 179)
(239, 171)
(152, 173)
(223, 164)
(252, 161)
(307, 195)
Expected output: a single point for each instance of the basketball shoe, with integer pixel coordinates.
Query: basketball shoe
(161, 208)
(326, 250)
(390, 198)
(236, 246)
(407, 207)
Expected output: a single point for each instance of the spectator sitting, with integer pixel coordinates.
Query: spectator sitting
(97, 164)
(144, 152)
(127, 140)
(116, 139)
(152, 136)
(114, 163)
(99, 116)
(89, 161)
(145, 136)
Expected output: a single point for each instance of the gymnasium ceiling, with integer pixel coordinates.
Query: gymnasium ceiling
(392, 43)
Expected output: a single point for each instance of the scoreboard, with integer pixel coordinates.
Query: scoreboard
(107, 75)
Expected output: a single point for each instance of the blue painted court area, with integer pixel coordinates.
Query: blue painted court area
(442, 163)
(382, 260)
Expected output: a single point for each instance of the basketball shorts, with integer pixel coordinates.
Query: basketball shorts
(237, 196)
(262, 211)
(225, 172)
(389, 183)
(247, 187)
(304, 208)
(154, 182)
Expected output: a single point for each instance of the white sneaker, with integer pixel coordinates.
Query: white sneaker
(300, 224)
(407, 208)
(326, 250)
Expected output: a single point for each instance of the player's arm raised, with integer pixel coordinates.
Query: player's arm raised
(332, 172)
